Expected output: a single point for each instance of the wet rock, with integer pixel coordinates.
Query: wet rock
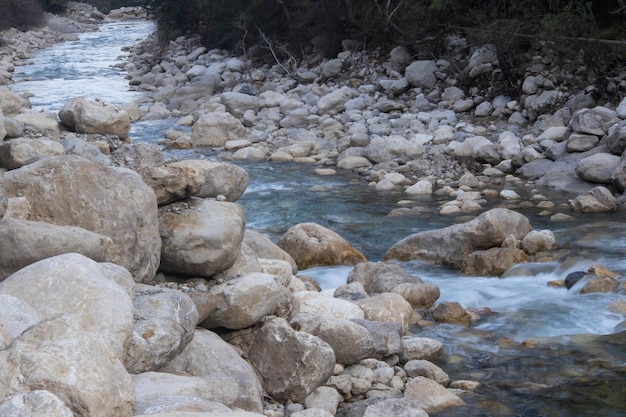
(431, 396)
(450, 245)
(379, 277)
(538, 240)
(599, 283)
(494, 261)
(451, 312)
(215, 129)
(310, 244)
(598, 200)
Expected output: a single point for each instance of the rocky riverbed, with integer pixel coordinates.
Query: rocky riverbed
(130, 284)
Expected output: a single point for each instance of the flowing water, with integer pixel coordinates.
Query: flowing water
(543, 351)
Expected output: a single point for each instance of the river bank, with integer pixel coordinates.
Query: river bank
(386, 379)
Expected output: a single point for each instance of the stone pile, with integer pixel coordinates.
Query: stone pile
(403, 124)
(130, 285)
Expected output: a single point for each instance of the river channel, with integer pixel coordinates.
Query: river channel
(575, 364)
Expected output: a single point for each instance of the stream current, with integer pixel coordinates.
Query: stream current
(575, 365)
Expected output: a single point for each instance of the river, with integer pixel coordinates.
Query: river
(576, 367)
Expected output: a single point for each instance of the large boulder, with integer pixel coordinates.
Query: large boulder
(115, 202)
(378, 277)
(27, 242)
(77, 287)
(598, 168)
(277, 354)
(78, 367)
(220, 179)
(202, 238)
(232, 381)
(243, 301)
(449, 246)
(19, 152)
(215, 129)
(264, 247)
(92, 115)
(39, 123)
(161, 392)
(165, 320)
(311, 244)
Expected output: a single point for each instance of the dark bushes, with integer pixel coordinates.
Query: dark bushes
(21, 14)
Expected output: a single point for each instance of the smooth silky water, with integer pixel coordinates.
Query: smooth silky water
(542, 351)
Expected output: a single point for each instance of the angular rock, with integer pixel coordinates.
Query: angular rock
(263, 247)
(313, 245)
(28, 242)
(277, 355)
(39, 123)
(350, 341)
(38, 403)
(232, 381)
(334, 102)
(80, 288)
(215, 129)
(387, 307)
(202, 239)
(165, 320)
(58, 356)
(379, 277)
(92, 115)
(387, 336)
(578, 142)
(421, 73)
(160, 392)
(597, 200)
(114, 202)
(430, 396)
(616, 138)
(244, 301)
(449, 246)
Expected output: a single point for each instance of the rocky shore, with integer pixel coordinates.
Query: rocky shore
(130, 285)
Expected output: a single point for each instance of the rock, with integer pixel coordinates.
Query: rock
(277, 354)
(38, 403)
(78, 367)
(232, 381)
(578, 142)
(398, 407)
(16, 315)
(263, 247)
(493, 261)
(423, 348)
(592, 121)
(387, 336)
(325, 305)
(324, 398)
(616, 138)
(92, 115)
(160, 392)
(114, 202)
(237, 103)
(430, 396)
(242, 302)
(421, 74)
(555, 133)
(420, 296)
(215, 129)
(386, 148)
(598, 200)
(19, 152)
(379, 277)
(400, 57)
(420, 367)
(621, 109)
(451, 312)
(350, 341)
(11, 103)
(202, 239)
(598, 168)
(40, 123)
(387, 307)
(165, 320)
(353, 162)
(334, 102)
(482, 60)
(420, 188)
(138, 156)
(539, 240)
(76, 146)
(29, 242)
(310, 244)
(332, 68)
(76, 287)
(599, 283)
(449, 246)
